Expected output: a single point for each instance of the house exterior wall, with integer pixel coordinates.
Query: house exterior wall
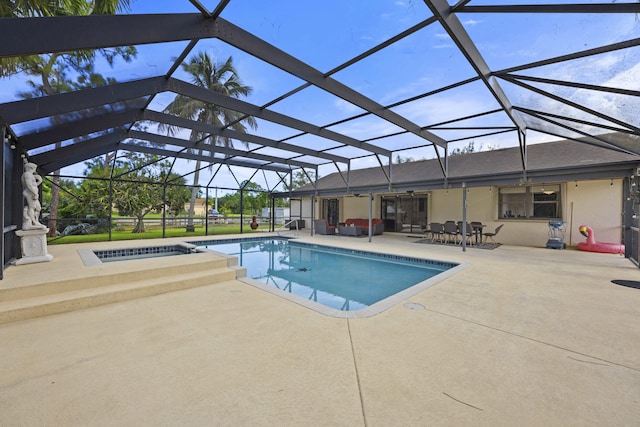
(358, 207)
(199, 208)
(302, 209)
(597, 204)
(594, 203)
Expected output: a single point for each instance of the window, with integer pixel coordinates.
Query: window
(530, 202)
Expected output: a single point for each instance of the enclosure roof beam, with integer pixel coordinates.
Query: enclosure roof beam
(48, 35)
(573, 104)
(257, 47)
(129, 146)
(63, 103)
(602, 142)
(30, 109)
(618, 91)
(202, 94)
(170, 140)
(552, 8)
(201, 8)
(572, 56)
(79, 128)
(547, 116)
(91, 32)
(459, 35)
(530, 111)
(53, 160)
(70, 33)
(240, 136)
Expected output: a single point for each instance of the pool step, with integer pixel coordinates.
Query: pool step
(107, 274)
(59, 297)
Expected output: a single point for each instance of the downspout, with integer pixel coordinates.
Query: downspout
(291, 196)
(370, 214)
(313, 209)
(446, 167)
(390, 173)
(464, 217)
(522, 137)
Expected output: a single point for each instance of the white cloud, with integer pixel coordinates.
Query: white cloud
(628, 79)
(444, 41)
(347, 107)
(472, 22)
(440, 108)
(444, 46)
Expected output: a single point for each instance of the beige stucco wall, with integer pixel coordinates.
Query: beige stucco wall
(594, 203)
(482, 206)
(358, 207)
(597, 204)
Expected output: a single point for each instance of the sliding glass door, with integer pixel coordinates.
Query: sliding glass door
(404, 213)
(331, 211)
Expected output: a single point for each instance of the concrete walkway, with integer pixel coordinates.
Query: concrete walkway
(522, 336)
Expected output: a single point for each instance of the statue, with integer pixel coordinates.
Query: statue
(33, 240)
(30, 183)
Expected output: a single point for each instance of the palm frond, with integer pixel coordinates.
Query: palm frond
(219, 77)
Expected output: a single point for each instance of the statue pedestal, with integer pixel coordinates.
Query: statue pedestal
(34, 246)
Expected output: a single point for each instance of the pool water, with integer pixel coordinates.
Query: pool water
(345, 280)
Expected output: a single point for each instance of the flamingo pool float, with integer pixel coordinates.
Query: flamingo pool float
(592, 246)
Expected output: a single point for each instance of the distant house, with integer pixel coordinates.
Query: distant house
(573, 181)
(199, 208)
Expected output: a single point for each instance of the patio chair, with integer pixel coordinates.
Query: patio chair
(436, 229)
(466, 231)
(492, 235)
(451, 230)
(322, 227)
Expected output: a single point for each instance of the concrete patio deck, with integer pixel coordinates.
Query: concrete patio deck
(522, 336)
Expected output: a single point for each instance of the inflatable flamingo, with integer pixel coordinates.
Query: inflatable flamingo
(592, 246)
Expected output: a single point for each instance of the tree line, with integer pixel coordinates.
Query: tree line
(137, 185)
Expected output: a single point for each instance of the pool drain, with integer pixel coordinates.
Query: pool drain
(413, 306)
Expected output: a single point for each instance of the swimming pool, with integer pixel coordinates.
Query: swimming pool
(341, 280)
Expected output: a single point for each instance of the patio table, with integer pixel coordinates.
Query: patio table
(346, 230)
(477, 231)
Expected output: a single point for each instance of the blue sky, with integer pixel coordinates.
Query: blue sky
(326, 34)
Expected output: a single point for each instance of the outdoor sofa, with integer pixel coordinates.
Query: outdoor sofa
(376, 223)
(322, 227)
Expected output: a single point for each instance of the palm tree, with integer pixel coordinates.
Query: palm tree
(219, 77)
(40, 8)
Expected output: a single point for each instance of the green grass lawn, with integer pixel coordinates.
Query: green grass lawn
(153, 233)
